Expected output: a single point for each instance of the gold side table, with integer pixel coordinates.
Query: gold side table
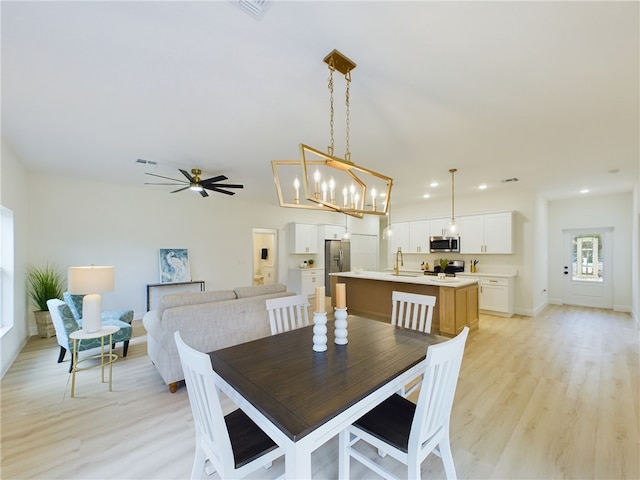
(106, 359)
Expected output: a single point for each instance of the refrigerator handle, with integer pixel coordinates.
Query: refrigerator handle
(340, 259)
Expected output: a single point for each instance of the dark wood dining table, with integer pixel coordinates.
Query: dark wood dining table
(302, 398)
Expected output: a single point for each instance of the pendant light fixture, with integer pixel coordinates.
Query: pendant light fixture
(453, 227)
(329, 182)
(346, 235)
(387, 233)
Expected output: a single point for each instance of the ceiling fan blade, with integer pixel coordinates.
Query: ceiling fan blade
(226, 185)
(186, 174)
(204, 193)
(214, 179)
(180, 189)
(147, 183)
(219, 190)
(166, 178)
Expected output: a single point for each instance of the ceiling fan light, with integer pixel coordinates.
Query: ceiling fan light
(196, 187)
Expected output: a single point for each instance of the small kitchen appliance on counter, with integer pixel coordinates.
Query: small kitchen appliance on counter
(454, 267)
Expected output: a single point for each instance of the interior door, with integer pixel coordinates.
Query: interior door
(588, 268)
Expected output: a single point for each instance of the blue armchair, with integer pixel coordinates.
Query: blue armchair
(75, 304)
(65, 323)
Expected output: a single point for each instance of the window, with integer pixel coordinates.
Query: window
(6, 270)
(587, 258)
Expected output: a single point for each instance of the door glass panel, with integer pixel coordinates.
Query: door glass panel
(587, 258)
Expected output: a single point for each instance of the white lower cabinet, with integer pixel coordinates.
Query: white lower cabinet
(305, 280)
(495, 294)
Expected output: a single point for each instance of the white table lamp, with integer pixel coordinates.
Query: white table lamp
(91, 282)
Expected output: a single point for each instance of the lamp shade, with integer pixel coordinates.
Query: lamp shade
(84, 280)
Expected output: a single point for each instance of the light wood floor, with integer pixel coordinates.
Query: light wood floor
(552, 396)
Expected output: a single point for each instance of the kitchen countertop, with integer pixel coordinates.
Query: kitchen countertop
(418, 279)
(487, 274)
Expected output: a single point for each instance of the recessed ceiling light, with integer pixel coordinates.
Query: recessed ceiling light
(584, 190)
(433, 184)
(426, 195)
(482, 186)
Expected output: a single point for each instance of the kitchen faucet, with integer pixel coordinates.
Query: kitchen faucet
(396, 267)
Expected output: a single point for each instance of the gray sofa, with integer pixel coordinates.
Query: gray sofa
(207, 321)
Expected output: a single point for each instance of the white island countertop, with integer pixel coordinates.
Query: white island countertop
(488, 274)
(415, 278)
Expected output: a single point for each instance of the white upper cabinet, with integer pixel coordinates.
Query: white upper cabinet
(399, 238)
(471, 231)
(488, 233)
(331, 232)
(419, 236)
(439, 227)
(303, 238)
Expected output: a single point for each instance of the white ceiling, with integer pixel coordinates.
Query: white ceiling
(543, 91)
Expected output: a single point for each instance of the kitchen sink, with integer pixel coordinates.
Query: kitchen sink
(407, 275)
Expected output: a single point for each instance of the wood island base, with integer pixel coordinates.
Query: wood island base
(456, 306)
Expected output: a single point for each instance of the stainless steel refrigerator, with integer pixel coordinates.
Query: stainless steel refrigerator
(337, 258)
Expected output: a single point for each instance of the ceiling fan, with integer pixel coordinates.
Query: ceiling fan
(194, 183)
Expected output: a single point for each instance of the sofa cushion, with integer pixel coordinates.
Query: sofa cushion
(193, 298)
(244, 292)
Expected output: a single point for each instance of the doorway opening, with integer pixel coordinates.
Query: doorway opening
(265, 256)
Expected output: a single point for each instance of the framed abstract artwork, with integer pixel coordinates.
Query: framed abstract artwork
(174, 265)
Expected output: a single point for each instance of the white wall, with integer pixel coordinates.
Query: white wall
(635, 257)
(607, 211)
(540, 254)
(14, 195)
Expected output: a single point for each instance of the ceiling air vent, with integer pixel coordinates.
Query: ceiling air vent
(255, 8)
(146, 162)
(509, 180)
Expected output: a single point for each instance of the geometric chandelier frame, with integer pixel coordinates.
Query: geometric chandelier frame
(328, 182)
(320, 181)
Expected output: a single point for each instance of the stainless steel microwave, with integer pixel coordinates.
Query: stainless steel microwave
(444, 244)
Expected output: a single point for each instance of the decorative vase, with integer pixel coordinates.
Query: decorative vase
(340, 332)
(319, 332)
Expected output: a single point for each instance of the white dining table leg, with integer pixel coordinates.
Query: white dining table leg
(297, 461)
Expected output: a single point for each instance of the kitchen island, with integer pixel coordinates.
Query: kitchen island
(369, 294)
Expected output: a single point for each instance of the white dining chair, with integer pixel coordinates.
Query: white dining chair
(413, 311)
(410, 432)
(288, 313)
(233, 444)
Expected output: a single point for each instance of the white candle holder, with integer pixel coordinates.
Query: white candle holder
(340, 315)
(319, 331)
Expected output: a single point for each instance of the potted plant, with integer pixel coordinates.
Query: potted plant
(444, 263)
(44, 284)
(311, 262)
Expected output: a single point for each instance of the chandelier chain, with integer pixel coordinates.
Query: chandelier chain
(347, 77)
(330, 85)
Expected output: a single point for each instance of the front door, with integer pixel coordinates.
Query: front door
(587, 268)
